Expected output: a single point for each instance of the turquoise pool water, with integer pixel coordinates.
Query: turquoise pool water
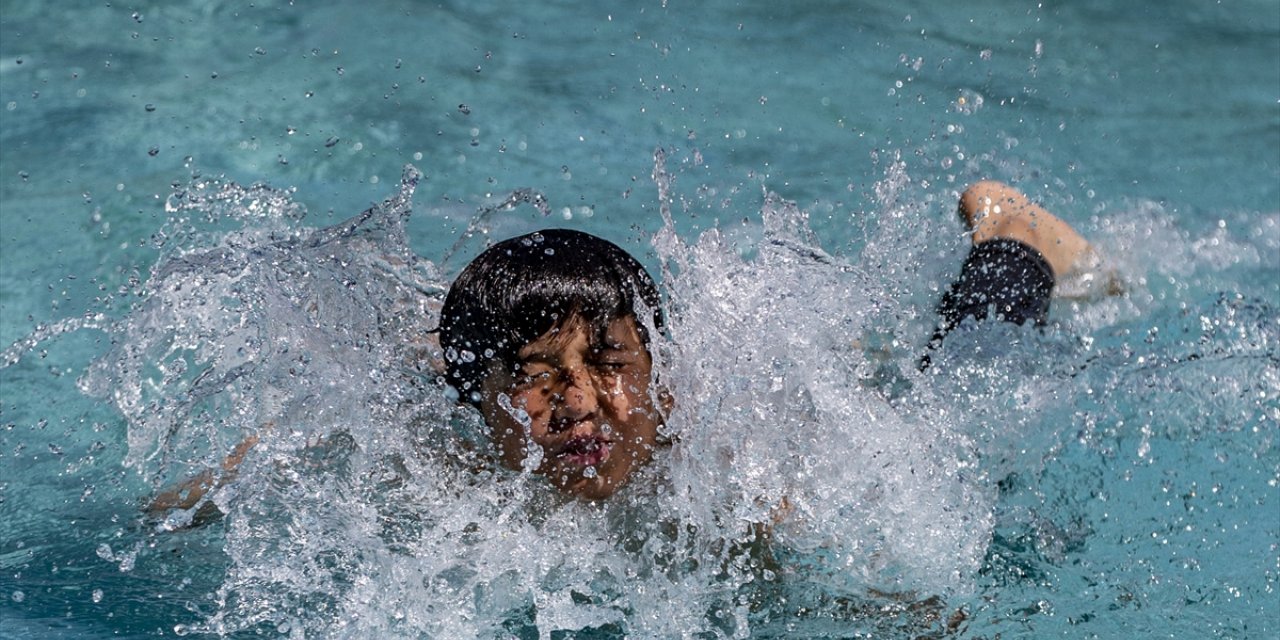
(1116, 475)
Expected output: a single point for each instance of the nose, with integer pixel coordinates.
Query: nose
(578, 399)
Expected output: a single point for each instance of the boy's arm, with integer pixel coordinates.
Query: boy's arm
(190, 491)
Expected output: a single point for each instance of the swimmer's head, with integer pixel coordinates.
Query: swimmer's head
(547, 335)
(519, 289)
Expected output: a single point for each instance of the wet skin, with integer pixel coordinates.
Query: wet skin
(586, 404)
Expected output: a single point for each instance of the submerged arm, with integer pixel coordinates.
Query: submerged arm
(189, 492)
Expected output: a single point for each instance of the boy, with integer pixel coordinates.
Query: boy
(548, 336)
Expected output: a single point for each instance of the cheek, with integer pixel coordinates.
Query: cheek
(621, 395)
(636, 388)
(629, 398)
(537, 406)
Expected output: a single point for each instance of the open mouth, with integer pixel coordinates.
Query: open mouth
(585, 451)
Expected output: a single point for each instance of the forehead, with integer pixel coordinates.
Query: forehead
(621, 333)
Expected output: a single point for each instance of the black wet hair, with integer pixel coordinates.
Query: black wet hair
(519, 289)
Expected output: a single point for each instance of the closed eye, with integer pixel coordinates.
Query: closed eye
(613, 361)
(529, 376)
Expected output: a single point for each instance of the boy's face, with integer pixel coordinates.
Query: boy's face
(586, 404)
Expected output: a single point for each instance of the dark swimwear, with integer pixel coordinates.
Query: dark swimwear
(1002, 275)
